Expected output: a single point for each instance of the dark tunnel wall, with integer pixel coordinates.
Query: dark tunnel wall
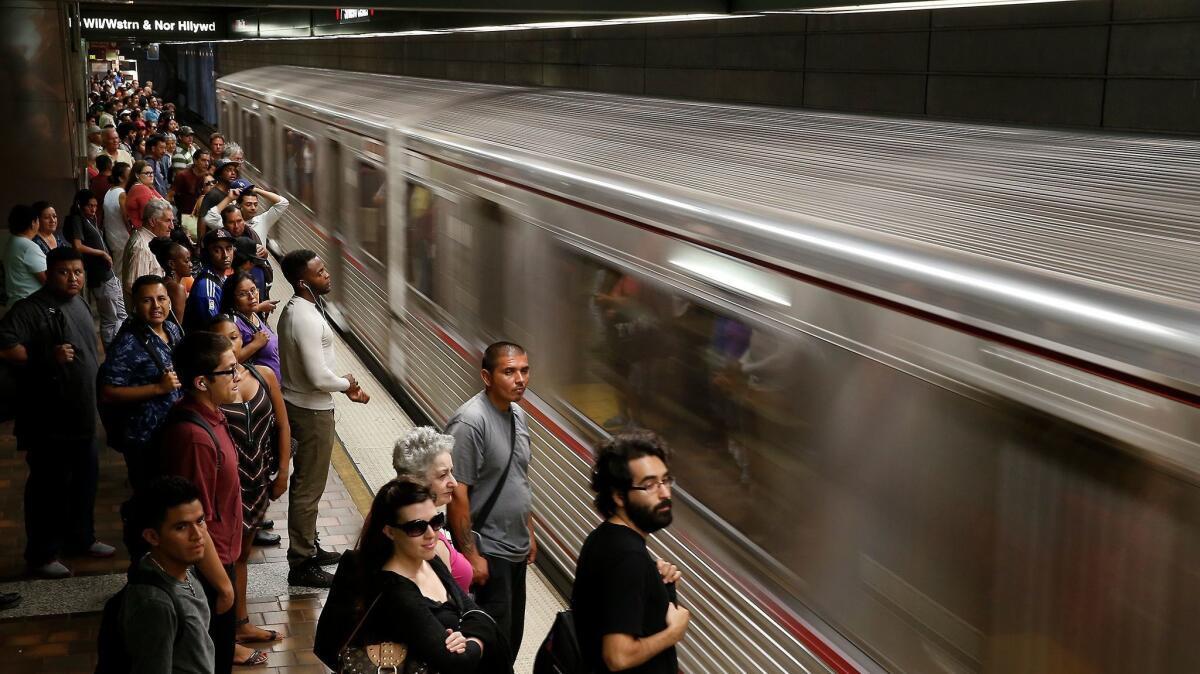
(1118, 64)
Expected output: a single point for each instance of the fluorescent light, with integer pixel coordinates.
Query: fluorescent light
(731, 278)
(671, 18)
(911, 5)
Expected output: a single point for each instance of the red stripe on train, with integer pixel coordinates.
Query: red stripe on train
(818, 646)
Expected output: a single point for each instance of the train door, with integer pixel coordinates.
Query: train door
(365, 244)
(333, 216)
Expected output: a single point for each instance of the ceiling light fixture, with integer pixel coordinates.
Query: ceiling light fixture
(910, 6)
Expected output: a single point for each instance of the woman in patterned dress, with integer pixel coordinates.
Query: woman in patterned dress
(259, 426)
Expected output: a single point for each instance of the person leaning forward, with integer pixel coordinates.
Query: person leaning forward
(490, 514)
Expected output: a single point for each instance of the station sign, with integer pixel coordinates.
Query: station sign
(150, 25)
(352, 15)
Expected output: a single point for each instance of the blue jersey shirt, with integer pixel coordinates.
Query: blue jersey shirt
(204, 301)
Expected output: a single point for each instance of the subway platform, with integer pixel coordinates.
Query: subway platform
(54, 628)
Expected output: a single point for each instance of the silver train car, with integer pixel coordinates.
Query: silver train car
(932, 388)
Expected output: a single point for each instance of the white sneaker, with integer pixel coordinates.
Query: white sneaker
(52, 570)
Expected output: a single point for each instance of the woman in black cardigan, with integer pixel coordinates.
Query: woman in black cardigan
(419, 604)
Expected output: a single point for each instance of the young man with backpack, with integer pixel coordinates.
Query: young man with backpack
(137, 382)
(159, 622)
(195, 444)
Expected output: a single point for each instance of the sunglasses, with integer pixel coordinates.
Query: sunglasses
(414, 528)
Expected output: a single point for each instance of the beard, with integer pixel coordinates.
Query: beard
(652, 519)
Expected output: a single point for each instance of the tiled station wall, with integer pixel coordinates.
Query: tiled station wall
(1119, 64)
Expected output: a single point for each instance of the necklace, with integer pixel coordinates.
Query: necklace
(187, 582)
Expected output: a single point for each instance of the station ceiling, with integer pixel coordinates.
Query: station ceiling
(549, 7)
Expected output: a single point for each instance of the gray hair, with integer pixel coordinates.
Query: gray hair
(155, 208)
(232, 150)
(415, 451)
(169, 136)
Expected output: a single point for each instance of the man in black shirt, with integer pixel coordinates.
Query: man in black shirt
(623, 600)
(50, 336)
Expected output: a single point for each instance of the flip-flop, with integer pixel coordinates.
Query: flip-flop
(275, 636)
(256, 659)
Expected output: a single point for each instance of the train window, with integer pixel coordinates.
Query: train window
(299, 166)
(223, 116)
(251, 139)
(421, 238)
(371, 211)
(726, 392)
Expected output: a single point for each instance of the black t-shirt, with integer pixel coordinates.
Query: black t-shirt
(618, 590)
(98, 271)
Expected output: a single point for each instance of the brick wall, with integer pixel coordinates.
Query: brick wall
(1120, 64)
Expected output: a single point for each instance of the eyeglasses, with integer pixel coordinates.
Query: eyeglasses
(414, 528)
(668, 482)
(146, 173)
(231, 372)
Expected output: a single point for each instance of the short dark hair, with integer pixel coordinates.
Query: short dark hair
(294, 264)
(231, 208)
(610, 474)
(143, 281)
(103, 162)
(215, 134)
(62, 254)
(497, 350)
(155, 140)
(39, 206)
(150, 505)
(197, 355)
(200, 151)
(162, 247)
(21, 219)
(120, 169)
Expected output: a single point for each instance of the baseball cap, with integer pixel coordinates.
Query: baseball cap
(222, 163)
(186, 131)
(214, 235)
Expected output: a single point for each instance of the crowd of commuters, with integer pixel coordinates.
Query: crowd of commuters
(217, 414)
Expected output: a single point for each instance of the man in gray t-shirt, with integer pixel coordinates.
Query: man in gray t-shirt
(168, 631)
(488, 429)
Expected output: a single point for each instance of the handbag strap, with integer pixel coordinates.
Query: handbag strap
(361, 621)
(477, 523)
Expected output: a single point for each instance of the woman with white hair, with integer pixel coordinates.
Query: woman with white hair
(423, 455)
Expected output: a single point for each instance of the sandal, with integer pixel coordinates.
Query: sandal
(275, 636)
(256, 658)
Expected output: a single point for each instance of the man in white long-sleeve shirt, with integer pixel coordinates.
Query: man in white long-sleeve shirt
(309, 382)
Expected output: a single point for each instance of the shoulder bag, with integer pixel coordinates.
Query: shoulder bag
(384, 657)
(478, 521)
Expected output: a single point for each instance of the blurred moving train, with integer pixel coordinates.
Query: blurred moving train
(931, 387)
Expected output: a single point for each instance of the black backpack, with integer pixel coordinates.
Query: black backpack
(131, 533)
(113, 657)
(560, 652)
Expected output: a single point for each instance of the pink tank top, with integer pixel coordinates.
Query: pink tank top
(460, 568)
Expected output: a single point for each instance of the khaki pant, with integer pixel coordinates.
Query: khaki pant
(313, 431)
